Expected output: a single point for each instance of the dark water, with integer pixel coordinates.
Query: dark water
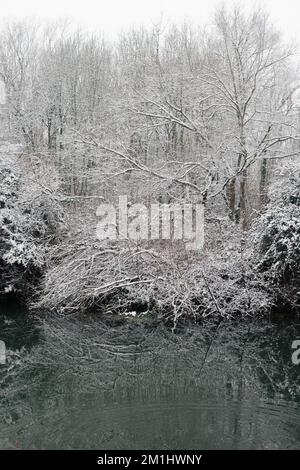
(78, 384)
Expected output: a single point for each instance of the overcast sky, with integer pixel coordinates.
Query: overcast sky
(113, 16)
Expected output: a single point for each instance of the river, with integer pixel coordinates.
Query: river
(79, 383)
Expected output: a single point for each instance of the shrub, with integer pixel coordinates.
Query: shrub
(276, 237)
(30, 217)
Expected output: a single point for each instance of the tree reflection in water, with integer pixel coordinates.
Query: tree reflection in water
(84, 384)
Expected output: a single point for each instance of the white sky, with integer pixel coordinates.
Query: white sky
(113, 16)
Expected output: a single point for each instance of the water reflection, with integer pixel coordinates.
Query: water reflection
(87, 385)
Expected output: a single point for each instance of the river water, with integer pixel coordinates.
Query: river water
(78, 383)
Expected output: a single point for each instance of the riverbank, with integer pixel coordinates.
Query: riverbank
(51, 257)
(166, 283)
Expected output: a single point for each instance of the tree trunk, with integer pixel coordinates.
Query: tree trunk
(263, 183)
(230, 196)
(243, 204)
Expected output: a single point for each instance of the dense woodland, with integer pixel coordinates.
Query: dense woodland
(168, 114)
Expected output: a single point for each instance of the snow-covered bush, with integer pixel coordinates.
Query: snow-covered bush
(276, 236)
(30, 216)
(280, 244)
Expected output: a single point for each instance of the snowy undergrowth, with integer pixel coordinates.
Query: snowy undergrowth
(276, 241)
(30, 215)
